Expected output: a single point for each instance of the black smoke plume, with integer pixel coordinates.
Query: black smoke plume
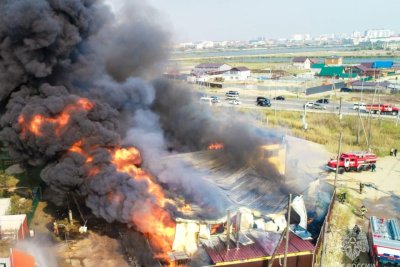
(54, 54)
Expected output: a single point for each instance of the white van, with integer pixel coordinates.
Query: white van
(232, 97)
(206, 100)
(360, 106)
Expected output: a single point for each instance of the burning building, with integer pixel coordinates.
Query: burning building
(79, 97)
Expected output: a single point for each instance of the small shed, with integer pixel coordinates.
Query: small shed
(334, 60)
(5, 204)
(14, 227)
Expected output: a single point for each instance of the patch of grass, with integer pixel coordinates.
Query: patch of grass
(324, 129)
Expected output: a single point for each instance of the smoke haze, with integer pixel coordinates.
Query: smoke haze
(77, 84)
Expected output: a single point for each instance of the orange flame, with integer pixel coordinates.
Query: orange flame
(216, 146)
(155, 221)
(37, 121)
(159, 226)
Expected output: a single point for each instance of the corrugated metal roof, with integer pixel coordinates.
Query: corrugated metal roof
(263, 246)
(300, 59)
(318, 65)
(240, 68)
(331, 71)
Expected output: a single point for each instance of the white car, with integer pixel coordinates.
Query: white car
(308, 104)
(234, 102)
(318, 106)
(215, 99)
(361, 106)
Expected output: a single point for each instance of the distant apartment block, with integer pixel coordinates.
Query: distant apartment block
(380, 33)
(300, 37)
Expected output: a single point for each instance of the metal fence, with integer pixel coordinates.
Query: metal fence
(36, 198)
(324, 88)
(318, 251)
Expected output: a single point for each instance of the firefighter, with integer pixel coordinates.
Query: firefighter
(342, 197)
(392, 151)
(363, 210)
(395, 152)
(356, 230)
(373, 167)
(361, 188)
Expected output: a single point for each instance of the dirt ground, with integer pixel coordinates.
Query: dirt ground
(95, 250)
(381, 197)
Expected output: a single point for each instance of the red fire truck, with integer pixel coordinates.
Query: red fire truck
(353, 161)
(384, 242)
(386, 109)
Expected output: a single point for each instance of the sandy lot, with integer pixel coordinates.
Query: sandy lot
(381, 196)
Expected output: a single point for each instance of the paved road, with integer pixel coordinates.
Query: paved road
(296, 105)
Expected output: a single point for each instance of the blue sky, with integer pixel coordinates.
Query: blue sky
(196, 20)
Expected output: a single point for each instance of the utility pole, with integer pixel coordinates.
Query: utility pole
(359, 124)
(337, 160)
(359, 115)
(340, 109)
(287, 231)
(228, 229)
(370, 119)
(271, 261)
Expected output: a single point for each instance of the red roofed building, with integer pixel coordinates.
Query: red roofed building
(256, 248)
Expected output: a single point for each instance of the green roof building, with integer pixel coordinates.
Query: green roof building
(318, 65)
(332, 71)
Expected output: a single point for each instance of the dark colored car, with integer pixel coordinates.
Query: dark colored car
(322, 101)
(264, 103)
(280, 97)
(261, 98)
(232, 93)
(345, 90)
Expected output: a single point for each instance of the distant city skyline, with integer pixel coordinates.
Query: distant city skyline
(216, 20)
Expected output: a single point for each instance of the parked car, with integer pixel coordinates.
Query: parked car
(206, 100)
(318, 106)
(234, 102)
(232, 97)
(232, 93)
(261, 98)
(264, 103)
(346, 90)
(323, 101)
(280, 97)
(308, 104)
(215, 99)
(361, 106)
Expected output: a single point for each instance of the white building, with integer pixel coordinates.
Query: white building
(303, 63)
(205, 45)
(237, 74)
(208, 68)
(300, 37)
(378, 33)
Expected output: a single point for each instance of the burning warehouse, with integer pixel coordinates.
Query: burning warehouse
(80, 99)
(257, 215)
